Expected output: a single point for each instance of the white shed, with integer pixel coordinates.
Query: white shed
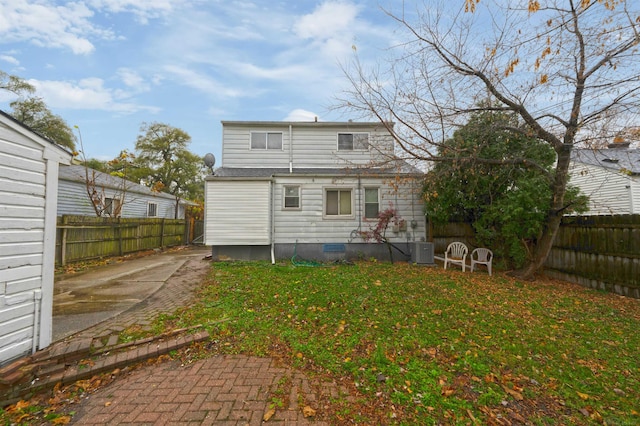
(28, 200)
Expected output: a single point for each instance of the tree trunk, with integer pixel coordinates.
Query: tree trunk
(554, 217)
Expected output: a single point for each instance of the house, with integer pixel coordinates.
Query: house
(116, 197)
(29, 192)
(309, 189)
(610, 177)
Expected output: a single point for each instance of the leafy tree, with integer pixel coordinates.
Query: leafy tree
(486, 182)
(164, 162)
(33, 112)
(564, 67)
(14, 84)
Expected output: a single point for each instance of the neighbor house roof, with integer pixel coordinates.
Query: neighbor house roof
(77, 173)
(617, 159)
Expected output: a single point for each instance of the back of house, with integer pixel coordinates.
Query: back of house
(310, 190)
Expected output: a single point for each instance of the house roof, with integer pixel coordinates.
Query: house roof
(617, 159)
(76, 173)
(306, 123)
(265, 172)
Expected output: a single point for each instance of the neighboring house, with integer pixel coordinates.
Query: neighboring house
(119, 197)
(309, 189)
(610, 177)
(28, 201)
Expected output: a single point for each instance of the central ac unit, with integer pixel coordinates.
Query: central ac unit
(423, 253)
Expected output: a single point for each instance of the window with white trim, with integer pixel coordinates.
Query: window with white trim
(112, 207)
(291, 197)
(338, 202)
(353, 141)
(371, 203)
(266, 140)
(152, 210)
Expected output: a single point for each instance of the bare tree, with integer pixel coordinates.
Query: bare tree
(563, 67)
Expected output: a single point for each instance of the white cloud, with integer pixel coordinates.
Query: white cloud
(49, 24)
(327, 20)
(203, 82)
(132, 79)
(9, 59)
(144, 10)
(301, 115)
(87, 94)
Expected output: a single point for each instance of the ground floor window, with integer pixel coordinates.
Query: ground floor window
(152, 210)
(371, 203)
(291, 197)
(112, 207)
(338, 202)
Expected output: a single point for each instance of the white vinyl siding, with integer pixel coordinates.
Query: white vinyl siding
(305, 145)
(238, 212)
(609, 191)
(28, 173)
(309, 225)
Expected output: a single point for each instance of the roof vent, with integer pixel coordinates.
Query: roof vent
(610, 160)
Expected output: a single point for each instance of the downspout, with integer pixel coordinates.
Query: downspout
(37, 300)
(290, 148)
(273, 222)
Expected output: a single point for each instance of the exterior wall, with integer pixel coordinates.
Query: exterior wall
(238, 213)
(28, 174)
(309, 225)
(238, 219)
(73, 200)
(609, 191)
(305, 145)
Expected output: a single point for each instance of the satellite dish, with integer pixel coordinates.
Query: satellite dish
(209, 161)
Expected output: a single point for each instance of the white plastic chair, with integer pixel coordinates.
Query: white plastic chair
(457, 254)
(482, 256)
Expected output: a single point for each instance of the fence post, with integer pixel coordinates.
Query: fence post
(162, 233)
(63, 243)
(119, 229)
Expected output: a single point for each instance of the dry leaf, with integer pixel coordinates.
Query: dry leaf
(583, 395)
(517, 395)
(62, 420)
(268, 415)
(308, 412)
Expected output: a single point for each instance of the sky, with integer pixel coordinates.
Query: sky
(108, 66)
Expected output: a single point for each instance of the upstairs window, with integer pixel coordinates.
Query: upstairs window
(353, 141)
(266, 140)
(371, 203)
(152, 210)
(338, 202)
(291, 197)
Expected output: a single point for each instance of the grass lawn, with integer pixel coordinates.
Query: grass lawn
(421, 345)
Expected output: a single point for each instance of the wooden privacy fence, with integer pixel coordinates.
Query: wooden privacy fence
(86, 237)
(601, 252)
